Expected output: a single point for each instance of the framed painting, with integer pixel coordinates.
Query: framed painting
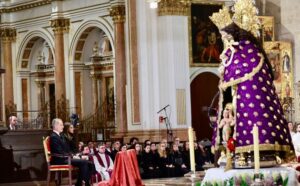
(206, 44)
(280, 57)
(267, 28)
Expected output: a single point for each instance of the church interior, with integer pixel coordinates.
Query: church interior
(151, 70)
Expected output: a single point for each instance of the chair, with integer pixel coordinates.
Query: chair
(56, 168)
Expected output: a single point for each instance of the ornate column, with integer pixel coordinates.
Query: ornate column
(7, 36)
(95, 92)
(134, 63)
(118, 15)
(60, 26)
(41, 94)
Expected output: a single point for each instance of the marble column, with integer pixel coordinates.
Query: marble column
(118, 15)
(60, 26)
(7, 36)
(95, 92)
(41, 94)
(134, 63)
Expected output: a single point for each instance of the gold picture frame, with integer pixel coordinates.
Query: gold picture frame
(280, 56)
(205, 44)
(267, 28)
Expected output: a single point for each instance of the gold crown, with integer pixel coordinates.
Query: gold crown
(245, 16)
(222, 18)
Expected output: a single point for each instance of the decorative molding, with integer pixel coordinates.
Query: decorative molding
(8, 34)
(118, 13)
(174, 7)
(24, 6)
(60, 25)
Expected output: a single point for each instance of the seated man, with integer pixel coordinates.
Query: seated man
(12, 123)
(103, 163)
(59, 146)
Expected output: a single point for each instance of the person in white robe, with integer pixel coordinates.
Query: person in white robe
(103, 163)
(296, 141)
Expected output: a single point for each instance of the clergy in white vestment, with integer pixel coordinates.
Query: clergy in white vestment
(296, 141)
(103, 163)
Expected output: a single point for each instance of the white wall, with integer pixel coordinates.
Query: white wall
(163, 57)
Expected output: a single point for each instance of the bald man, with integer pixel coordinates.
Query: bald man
(12, 123)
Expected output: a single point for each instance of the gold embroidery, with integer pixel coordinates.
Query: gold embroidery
(245, 77)
(264, 147)
(251, 105)
(270, 124)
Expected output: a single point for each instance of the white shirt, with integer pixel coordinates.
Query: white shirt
(12, 127)
(296, 143)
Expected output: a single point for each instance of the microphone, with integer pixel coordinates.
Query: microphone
(163, 109)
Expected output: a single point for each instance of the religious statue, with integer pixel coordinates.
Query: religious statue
(286, 66)
(227, 122)
(96, 49)
(246, 71)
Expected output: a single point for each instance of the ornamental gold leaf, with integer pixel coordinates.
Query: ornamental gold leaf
(222, 18)
(245, 16)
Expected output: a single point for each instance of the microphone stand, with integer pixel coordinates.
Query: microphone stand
(168, 124)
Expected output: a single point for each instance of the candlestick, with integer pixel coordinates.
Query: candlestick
(192, 148)
(256, 149)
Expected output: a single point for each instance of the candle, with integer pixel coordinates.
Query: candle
(192, 149)
(256, 149)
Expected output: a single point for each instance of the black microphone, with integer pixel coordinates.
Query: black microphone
(163, 108)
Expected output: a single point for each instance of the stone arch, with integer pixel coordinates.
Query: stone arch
(27, 45)
(78, 41)
(199, 71)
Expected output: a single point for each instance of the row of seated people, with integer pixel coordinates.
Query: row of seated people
(155, 160)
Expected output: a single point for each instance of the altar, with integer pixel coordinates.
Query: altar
(217, 175)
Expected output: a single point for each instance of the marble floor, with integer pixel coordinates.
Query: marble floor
(181, 181)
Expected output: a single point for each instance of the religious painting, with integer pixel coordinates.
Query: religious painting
(280, 57)
(267, 28)
(206, 41)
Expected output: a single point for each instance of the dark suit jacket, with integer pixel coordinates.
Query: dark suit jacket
(58, 146)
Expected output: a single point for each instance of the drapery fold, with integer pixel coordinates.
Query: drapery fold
(126, 171)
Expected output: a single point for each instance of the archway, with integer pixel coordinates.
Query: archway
(203, 89)
(35, 74)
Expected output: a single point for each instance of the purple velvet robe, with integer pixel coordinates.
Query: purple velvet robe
(256, 100)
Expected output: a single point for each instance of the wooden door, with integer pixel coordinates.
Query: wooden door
(203, 89)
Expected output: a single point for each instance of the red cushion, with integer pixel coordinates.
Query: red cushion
(61, 167)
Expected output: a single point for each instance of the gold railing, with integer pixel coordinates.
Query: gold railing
(100, 124)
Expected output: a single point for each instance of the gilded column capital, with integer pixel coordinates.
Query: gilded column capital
(174, 7)
(60, 25)
(118, 13)
(8, 34)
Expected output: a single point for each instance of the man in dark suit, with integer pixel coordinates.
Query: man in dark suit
(59, 146)
(12, 122)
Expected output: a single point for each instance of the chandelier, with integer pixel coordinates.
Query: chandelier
(153, 3)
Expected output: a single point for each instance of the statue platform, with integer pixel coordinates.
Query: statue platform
(219, 175)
